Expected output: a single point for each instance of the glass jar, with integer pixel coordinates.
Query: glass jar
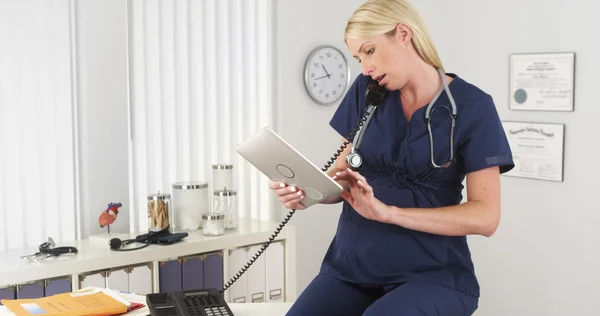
(225, 202)
(160, 212)
(222, 177)
(190, 201)
(213, 224)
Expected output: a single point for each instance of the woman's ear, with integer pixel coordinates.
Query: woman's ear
(403, 34)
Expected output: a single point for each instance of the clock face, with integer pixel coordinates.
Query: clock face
(326, 75)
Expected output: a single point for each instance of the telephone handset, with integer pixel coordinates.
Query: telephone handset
(374, 96)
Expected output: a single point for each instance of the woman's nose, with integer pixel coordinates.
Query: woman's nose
(367, 70)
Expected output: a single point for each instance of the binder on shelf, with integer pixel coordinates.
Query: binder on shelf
(213, 270)
(170, 278)
(30, 290)
(192, 272)
(57, 286)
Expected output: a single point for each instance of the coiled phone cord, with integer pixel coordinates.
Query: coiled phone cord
(291, 213)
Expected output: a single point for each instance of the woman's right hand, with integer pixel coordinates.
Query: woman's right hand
(289, 196)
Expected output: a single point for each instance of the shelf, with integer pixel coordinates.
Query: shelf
(92, 256)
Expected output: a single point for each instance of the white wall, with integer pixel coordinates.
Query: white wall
(301, 27)
(541, 260)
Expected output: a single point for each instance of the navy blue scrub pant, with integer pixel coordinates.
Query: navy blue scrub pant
(328, 296)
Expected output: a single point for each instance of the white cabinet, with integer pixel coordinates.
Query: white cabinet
(263, 281)
(209, 262)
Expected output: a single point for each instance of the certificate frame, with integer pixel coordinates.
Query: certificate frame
(542, 82)
(553, 168)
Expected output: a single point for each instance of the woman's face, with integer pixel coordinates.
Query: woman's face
(385, 58)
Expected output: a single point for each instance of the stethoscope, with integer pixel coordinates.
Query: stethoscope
(354, 159)
(48, 249)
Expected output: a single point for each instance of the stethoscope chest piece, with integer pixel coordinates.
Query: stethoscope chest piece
(353, 159)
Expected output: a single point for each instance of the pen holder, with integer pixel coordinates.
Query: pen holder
(160, 212)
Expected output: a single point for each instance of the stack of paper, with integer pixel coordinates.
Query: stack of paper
(85, 302)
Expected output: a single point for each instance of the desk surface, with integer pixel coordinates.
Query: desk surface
(262, 309)
(238, 309)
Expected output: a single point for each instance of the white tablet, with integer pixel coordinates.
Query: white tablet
(279, 161)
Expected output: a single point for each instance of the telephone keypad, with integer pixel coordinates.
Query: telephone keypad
(196, 302)
(216, 311)
(207, 303)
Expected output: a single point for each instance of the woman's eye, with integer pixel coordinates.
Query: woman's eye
(370, 51)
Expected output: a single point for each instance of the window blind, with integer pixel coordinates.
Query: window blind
(201, 81)
(37, 124)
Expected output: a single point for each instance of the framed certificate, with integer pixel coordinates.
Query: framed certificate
(542, 82)
(538, 150)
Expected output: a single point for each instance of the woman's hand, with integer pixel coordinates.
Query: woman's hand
(361, 196)
(289, 196)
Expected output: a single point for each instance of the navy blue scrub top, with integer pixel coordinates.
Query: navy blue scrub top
(396, 163)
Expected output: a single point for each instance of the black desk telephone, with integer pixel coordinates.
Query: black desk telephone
(210, 302)
(202, 302)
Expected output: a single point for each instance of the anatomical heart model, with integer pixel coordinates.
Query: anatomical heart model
(109, 215)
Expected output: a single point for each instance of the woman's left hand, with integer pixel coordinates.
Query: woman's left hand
(361, 196)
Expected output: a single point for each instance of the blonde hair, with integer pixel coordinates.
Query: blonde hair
(376, 17)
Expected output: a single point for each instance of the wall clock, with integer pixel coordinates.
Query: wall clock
(326, 74)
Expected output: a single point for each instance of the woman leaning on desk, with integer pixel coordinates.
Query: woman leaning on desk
(401, 246)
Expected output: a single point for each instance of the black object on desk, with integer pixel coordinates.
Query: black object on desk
(197, 302)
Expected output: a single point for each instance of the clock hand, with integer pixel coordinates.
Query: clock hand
(328, 75)
(321, 77)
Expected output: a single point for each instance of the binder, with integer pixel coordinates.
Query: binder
(57, 286)
(7, 293)
(213, 270)
(170, 276)
(30, 290)
(192, 272)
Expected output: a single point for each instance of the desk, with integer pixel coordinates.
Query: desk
(262, 309)
(238, 309)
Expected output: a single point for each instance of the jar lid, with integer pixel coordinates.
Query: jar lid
(190, 185)
(159, 196)
(225, 192)
(213, 216)
(222, 166)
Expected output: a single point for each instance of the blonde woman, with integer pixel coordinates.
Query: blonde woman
(401, 245)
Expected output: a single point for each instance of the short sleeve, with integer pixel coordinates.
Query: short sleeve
(484, 143)
(346, 116)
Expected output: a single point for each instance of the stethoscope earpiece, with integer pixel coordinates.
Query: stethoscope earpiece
(48, 249)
